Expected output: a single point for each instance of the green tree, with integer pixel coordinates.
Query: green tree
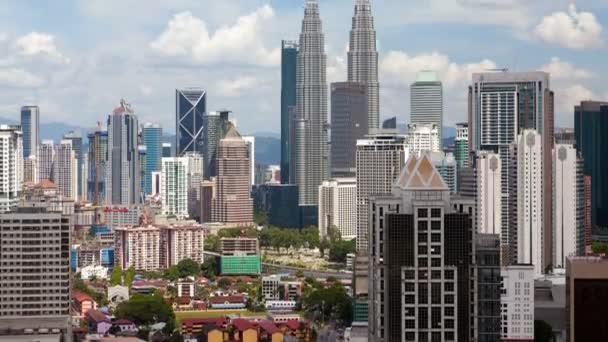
(171, 273)
(329, 304)
(147, 310)
(339, 249)
(224, 283)
(543, 332)
(334, 234)
(188, 267)
(116, 276)
(129, 276)
(260, 218)
(209, 267)
(599, 247)
(324, 244)
(212, 243)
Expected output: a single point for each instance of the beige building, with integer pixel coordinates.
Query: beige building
(338, 207)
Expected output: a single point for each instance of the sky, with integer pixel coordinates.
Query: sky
(77, 59)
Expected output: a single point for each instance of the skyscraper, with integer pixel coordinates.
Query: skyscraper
(349, 122)
(190, 106)
(66, 170)
(46, 159)
(311, 103)
(76, 139)
(167, 150)
(98, 148)
(152, 135)
(174, 187)
(487, 276)
(461, 144)
(215, 125)
(426, 101)
(363, 59)
(289, 65)
(250, 139)
(30, 126)
(489, 208)
(194, 174)
(338, 207)
(11, 167)
(591, 125)
(122, 175)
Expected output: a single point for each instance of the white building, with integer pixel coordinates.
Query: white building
(517, 303)
(338, 207)
(174, 186)
(568, 213)
(46, 159)
(426, 100)
(251, 143)
(194, 174)
(11, 167)
(65, 170)
(529, 200)
(489, 195)
(423, 138)
(96, 271)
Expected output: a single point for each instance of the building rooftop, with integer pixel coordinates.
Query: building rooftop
(420, 174)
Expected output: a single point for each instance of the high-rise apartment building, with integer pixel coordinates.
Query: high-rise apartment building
(421, 253)
(311, 126)
(98, 149)
(152, 135)
(190, 107)
(489, 199)
(46, 159)
(349, 123)
(528, 165)
(11, 167)
(174, 187)
(76, 139)
(123, 184)
(591, 125)
(30, 127)
(233, 203)
(517, 303)
(338, 207)
(66, 170)
(251, 144)
(363, 60)
(289, 66)
(501, 106)
(379, 161)
(461, 144)
(488, 283)
(423, 138)
(35, 271)
(426, 101)
(567, 203)
(215, 125)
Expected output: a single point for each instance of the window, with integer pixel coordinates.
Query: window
(449, 274)
(448, 311)
(436, 212)
(423, 212)
(423, 317)
(449, 299)
(436, 237)
(422, 250)
(423, 226)
(436, 293)
(423, 262)
(435, 262)
(435, 225)
(436, 317)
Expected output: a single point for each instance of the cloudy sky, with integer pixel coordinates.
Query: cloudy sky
(76, 59)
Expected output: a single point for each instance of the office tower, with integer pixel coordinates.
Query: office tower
(156, 182)
(423, 138)
(174, 187)
(528, 163)
(35, 271)
(30, 170)
(488, 284)
(568, 232)
(208, 193)
(84, 170)
(426, 101)
(30, 126)
(190, 106)
(311, 104)
(591, 125)
(363, 59)
(66, 170)
(76, 139)
(194, 176)
(152, 135)
(517, 303)
(142, 153)
(215, 125)
(98, 149)
(167, 150)
(586, 299)
(233, 203)
(122, 168)
(489, 199)
(251, 143)
(46, 159)
(338, 207)
(587, 213)
(289, 66)
(421, 255)
(445, 163)
(390, 123)
(11, 167)
(501, 105)
(349, 123)
(461, 144)
(467, 182)
(379, 161)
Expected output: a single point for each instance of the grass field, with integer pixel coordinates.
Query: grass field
(179, 315)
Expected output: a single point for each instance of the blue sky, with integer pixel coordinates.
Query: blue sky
(76, 59)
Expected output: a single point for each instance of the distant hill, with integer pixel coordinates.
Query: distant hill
(52, 130)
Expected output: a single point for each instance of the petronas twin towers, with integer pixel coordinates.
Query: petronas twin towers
(310, 122)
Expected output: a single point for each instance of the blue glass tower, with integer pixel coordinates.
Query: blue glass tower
(190, 106)
(30, 126)
(289, 63)
(152, 138)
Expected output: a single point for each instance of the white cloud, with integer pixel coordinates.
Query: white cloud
(19, 78)
(235, 87)
(561, 70)
(35, 44)
(187, 36)
(574, 30)
(570, 96)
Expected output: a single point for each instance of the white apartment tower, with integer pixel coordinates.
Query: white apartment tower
(46, 159)
(66, 170)
(426, 100)
(11, 167)
(529, 161)
(517, 303)
(174, 186)
(338, 207)
(489, 198)
(423, 138)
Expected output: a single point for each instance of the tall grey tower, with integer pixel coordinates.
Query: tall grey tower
(311, 102)
(363, 58)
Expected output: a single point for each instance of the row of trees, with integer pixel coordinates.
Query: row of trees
(327, 303)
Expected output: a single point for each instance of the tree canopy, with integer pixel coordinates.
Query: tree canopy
(328, 304)
(116, 276)
(188, 267)
(146, 310)
(209, 267)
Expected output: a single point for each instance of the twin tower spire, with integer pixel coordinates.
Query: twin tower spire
(310, 124)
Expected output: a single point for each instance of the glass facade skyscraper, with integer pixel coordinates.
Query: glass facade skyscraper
(289, 65)
(426, 101)
(152, 138)
(215, 124)
(98, 149)
(30, 126)
(190, 107)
